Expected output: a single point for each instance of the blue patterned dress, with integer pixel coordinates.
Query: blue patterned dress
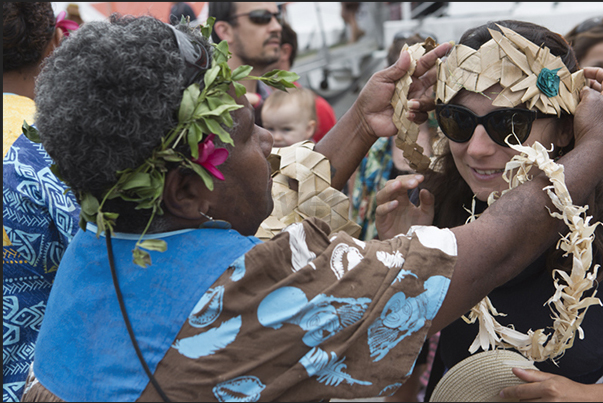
(39, 221)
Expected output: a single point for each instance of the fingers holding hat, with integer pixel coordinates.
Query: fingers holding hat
(547, 387)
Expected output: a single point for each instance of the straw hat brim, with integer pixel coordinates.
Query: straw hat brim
(481, 377)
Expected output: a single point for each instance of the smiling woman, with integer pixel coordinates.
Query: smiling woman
(511, 83)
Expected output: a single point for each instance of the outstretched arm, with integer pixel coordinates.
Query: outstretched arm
(371, 115)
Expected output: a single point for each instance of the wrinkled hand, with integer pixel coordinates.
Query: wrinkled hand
(374, 102)
(395, 213)
(546, 387)
(588, 119)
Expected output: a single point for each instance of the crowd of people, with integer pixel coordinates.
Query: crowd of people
(115, 160)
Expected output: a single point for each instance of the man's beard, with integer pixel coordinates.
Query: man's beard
(259, 61)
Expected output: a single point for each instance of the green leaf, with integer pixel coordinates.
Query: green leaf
(222, 54)
(193, 143)
(31, 133)
(154, 244)
(207, 27)
(89, 204)
(211, 75)
(199, 170)
(137, 180)
(100, 224)
(241, 72)
(82, 222)
(141, 258)
(189, 99)
(218, 130)
(55, 170)
(239, 89)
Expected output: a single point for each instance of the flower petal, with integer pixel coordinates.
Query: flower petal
(218, 157)
(213, 170)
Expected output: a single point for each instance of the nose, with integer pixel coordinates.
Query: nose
(274, 25)
(480, 144)
(267, 141)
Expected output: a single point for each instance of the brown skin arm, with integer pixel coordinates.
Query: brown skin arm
(371, 115)
(517, 229)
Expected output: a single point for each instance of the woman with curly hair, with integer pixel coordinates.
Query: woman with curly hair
(38, 219)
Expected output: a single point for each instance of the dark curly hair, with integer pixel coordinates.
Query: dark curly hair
(107, 96)
(27, 29)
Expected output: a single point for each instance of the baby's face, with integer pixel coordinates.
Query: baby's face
(287, 123)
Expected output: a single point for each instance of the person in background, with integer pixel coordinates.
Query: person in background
(181, 9)
(586, 39)
(253, 34)
(73, 14)
(39, 220)
(290, 116)
(349, 11)
(384, 160)
(325, 115)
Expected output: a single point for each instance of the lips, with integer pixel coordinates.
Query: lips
(488, 171)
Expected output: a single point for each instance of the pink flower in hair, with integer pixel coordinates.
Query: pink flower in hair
(210, 156)
(65, 25)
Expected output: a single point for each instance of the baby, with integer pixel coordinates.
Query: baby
(290, 116)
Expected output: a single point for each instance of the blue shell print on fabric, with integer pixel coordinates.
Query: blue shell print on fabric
(327, 369)
(209, 342)
(403, 316)
(241, 389)
(209, 307)
(238, 267)
(321, 318)
(390, 389)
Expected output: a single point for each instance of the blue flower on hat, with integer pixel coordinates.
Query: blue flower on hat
(548, 82)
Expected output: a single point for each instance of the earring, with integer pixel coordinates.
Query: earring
(206, 216)
(211, 223)
(559, 155)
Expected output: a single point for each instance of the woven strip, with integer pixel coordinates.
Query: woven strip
(514, 62)
(298, 165)
(480, 377)
(408, 131)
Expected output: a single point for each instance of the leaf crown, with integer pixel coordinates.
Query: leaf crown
(527, 72)
(202, 112)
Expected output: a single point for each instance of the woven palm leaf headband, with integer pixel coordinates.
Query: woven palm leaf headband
(528, 74)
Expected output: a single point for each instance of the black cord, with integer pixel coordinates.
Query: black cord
(122, 306)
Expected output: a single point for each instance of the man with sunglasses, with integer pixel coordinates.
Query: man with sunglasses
(253, 33)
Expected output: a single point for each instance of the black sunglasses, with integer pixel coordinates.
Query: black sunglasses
(589, 24)
(458, 123)
(261, 17)
(195, 55)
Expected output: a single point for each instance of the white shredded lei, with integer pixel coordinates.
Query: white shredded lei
(568, 299)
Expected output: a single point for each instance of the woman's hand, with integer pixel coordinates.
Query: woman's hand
(546, 387)
(395, 213)
(374, 102)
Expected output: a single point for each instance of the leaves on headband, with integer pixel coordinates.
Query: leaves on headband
(31, 133)
(201, 113)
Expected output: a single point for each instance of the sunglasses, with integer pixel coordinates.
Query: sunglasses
(195, 55)
(458, 123)
(261, 17)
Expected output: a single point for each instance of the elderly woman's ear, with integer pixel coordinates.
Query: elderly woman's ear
(185, 195)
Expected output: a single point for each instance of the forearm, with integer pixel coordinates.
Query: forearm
(514, 231)
(345, 145)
